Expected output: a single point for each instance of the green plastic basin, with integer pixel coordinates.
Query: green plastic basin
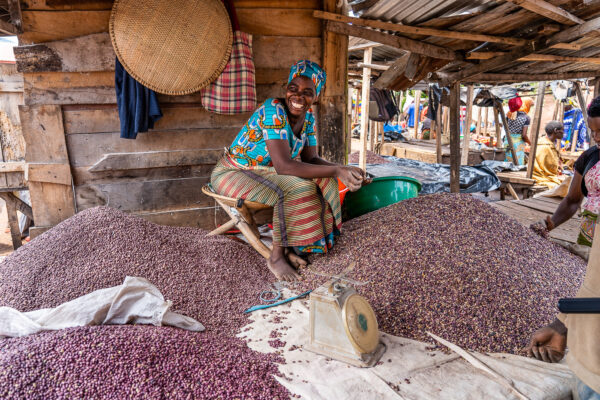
(380, 193)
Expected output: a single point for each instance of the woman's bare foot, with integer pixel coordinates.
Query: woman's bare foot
(280, 267)
(295, 259)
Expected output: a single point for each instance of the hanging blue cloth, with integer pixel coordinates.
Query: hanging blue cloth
(138, 105)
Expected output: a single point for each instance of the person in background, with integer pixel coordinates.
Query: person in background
(410, 114)
(580, 333)
(574, 124)
(518, 122)
(547, 168)
(585, 183)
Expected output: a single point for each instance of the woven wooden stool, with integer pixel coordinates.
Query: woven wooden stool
(242, 213)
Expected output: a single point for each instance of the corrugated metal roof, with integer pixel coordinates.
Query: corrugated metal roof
(416, 11)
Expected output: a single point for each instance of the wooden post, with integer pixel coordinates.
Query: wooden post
(499, 144)
(349, 126)
(597, 87)
(464, 160)
(417, 113)
(584, 112)
(446, 123)
(364, 118)
(535, 127)
(381, 129)
(511, 146)
(556, 108)
(13, 222)
(455, 137)
(486, 120)
(372, 134)
(332, 101)
(478, 128)
(438, 135)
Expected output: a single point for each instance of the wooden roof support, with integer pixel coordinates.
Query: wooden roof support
(533, 57)
(14, 8)
(562, 37)
(464, 159)
(454, 113)
(363, 46)
(535, 128)
(399, 42)
(417, 30)
(364, 112)
(493, 77)
(392, 73)
(550, 11)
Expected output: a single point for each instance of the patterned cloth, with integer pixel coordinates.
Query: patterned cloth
(270, 121)
(234, 91)
(591, 208)
(515, 127)
(592, 183)
(307, 213)
(310, 70)
(546, 167)
(573, 121)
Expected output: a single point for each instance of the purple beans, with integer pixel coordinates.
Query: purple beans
(454, 266)
(134, 362)
(212, 279)
(372, 158)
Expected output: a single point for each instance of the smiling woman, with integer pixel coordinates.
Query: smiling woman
(274, 161)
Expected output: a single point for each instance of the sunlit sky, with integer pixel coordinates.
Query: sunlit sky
(6, 45)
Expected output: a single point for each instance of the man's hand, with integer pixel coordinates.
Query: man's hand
(548, 343)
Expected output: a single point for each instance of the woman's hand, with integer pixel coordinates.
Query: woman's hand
(548, 344)
(352, 177)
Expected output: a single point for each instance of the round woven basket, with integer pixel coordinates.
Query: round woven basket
(172, 47)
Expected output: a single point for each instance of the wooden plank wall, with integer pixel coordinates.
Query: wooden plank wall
(71, 116)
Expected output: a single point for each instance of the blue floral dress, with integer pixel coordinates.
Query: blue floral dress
(270, 122)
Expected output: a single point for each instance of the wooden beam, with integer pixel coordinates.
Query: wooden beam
(364, 117)
(565, 36)
(583, 106)
(501, 77)
(19, 204)
(378, 67)
(50, 173)
(487, 65)
(533, 57)
(416, 30)
(393, 41)
(7, 28)
(14, 8)
(575, 32)
(464, 160)
(332, 102)
(499, 144)
(13, 222)
(535, 128)
(364, 45)
(455, 138)
(392, 73)
(82, 54)
(511, 145)
(550, 11)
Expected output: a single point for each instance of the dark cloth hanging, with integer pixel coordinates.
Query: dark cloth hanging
(138, 105)
(435, 98)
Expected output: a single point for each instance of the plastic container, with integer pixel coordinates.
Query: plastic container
(382, 192)
(343, 190)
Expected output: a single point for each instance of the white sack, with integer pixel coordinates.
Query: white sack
(136, 301)
(409, 370)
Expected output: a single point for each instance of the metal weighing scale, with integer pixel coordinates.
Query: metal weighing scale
(343, 325)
